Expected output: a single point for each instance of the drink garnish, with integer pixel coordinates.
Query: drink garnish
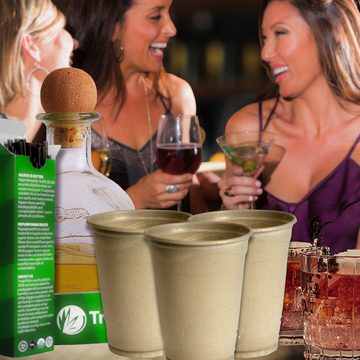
(317, 239)
(228, 151)
(250, 165)
(238, 161)
(328, 264)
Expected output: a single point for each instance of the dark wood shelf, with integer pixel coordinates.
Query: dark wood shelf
(184, 10)
(191, 6)
(217, 90)
(220, 6)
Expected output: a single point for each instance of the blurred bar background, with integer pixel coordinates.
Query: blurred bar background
(217, 51)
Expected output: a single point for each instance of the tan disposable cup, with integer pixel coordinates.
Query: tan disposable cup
(198, 275)
(126, 279)
(264, 279)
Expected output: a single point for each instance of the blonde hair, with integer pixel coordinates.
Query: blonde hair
(38, 18)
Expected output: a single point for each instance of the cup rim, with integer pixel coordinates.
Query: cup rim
(312, 254)
(166, 229)
(125, 215)
(223, 137)
(220, 216)
(295, 245)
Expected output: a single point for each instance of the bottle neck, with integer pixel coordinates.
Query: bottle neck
(75, 141)
(72, 131)
(73, 160)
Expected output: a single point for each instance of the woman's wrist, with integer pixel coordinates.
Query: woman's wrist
(135, 199)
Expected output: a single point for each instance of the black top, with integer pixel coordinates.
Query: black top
(2, 115)
(127, 168)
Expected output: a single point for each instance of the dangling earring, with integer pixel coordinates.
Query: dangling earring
(38, 67)
(118, 57)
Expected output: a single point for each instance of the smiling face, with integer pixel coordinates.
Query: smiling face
(290, 49)
(144, 34)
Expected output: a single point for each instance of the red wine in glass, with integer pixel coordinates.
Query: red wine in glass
(179, 145)
(178, 159)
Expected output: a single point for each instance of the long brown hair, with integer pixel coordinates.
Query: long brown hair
(335, 25)
(91, 23)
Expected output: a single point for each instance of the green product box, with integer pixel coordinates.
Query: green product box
(79, 319)
(27, 210)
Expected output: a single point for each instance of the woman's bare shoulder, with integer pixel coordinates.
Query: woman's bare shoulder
(247, 118)
(182, 96)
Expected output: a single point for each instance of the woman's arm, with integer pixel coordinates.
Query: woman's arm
(246, 119)
(182, 96)
(183, 102)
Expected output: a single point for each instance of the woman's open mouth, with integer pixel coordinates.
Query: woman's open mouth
(280, 72)
(157, 49)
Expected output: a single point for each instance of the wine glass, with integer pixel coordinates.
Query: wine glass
(179, 146)
(100, 148)
(248, 150)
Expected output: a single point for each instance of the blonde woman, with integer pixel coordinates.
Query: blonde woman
(33, 43)
(311, 50)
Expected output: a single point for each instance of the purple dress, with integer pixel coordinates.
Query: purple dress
(331, 208)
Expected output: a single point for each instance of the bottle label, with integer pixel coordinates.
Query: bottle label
(27, 207)
(79, 319)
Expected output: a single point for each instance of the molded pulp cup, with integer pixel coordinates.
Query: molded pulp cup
(126, 279)
(264, 278)
(198, 275)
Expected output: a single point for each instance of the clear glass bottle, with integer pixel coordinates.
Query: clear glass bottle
(81, 191)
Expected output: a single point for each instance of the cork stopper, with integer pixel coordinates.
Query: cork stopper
(69, 136)
(68, 90)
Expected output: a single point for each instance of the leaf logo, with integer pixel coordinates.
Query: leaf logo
(71, 320)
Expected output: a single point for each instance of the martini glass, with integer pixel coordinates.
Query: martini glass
(248, 150)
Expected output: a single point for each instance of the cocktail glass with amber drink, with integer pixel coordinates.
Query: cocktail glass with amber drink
(331, 301)
(292, 322)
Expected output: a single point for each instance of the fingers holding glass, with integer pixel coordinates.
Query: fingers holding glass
(239, 196)
(172, 189)
(247, 150)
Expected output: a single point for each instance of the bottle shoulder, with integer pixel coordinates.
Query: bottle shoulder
(90, 190)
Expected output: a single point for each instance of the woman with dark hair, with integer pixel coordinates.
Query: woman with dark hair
(121, 45)
(311, 50)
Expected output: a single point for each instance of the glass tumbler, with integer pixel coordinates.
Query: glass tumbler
(292, 322)
(331, 302)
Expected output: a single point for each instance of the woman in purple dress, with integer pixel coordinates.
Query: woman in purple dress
(311, 51)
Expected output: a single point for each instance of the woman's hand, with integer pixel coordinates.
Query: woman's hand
(150, 191)
(237, 191)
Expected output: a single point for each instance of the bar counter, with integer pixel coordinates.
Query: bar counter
(102, 352)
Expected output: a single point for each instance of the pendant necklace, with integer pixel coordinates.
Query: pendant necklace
(132, 140)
